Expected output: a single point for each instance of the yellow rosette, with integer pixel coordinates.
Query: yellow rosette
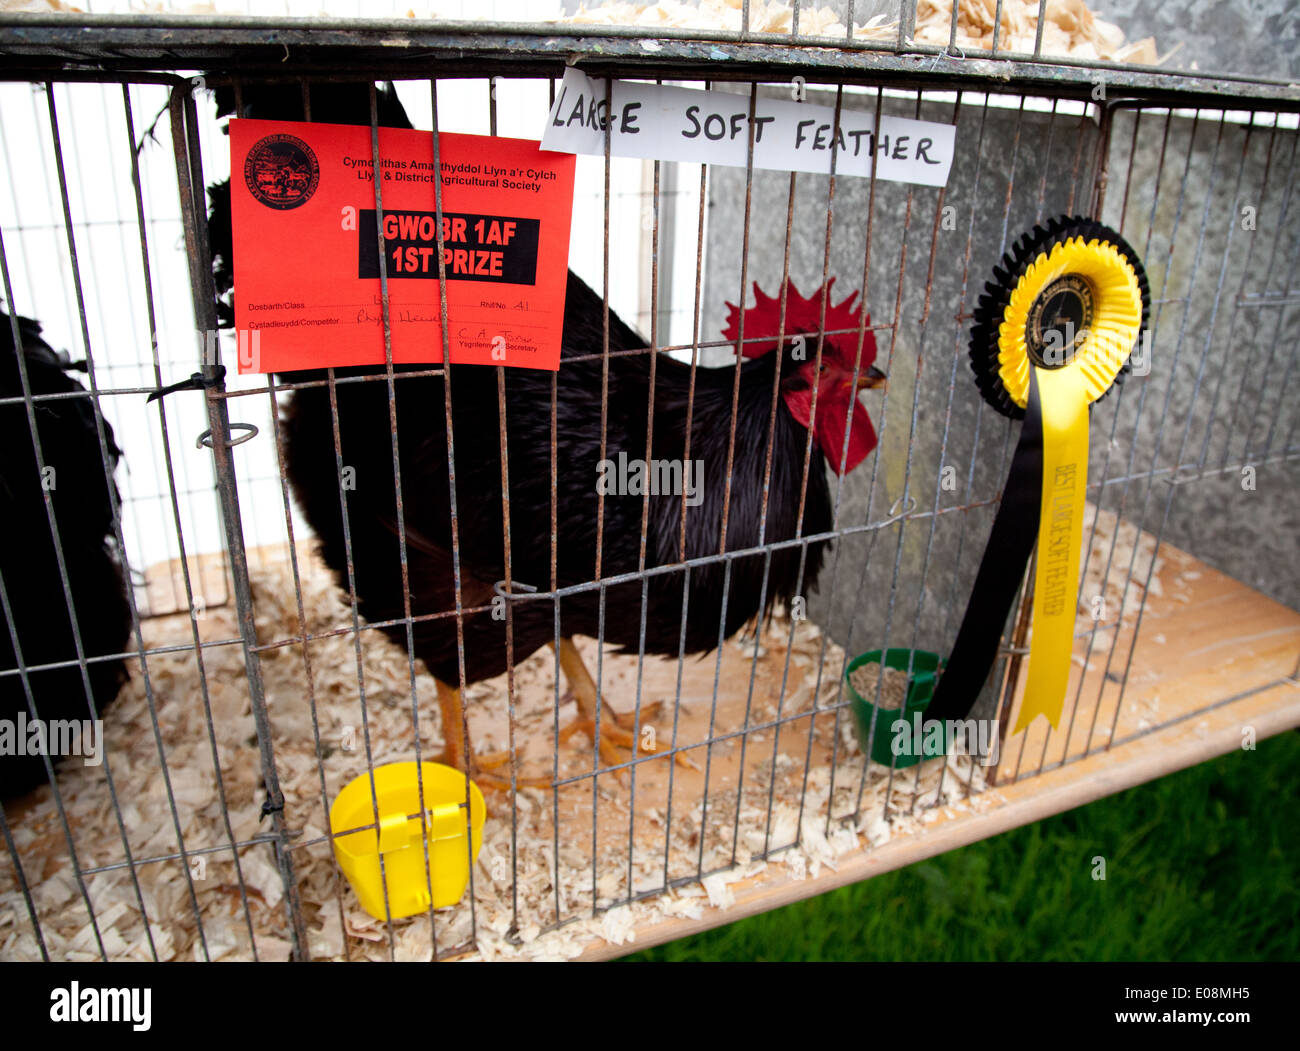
(1053, 333)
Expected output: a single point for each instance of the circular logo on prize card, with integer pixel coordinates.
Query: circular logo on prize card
(281, 171)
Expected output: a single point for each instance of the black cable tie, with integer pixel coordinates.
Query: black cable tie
(268, 808)
(196, 382)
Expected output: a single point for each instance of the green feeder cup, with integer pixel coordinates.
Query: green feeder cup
(920, 689)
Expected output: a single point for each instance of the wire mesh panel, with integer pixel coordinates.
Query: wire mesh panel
(653, 687)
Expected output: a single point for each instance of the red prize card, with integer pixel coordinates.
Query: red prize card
(306, 249)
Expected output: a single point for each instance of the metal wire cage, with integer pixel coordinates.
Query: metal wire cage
(205, 831)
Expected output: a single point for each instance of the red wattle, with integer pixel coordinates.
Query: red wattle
(829, 429)
(830, 432)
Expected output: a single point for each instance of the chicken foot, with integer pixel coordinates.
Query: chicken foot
(457, 752)
(612, 736)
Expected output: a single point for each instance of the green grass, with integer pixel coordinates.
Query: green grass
(1200, 865)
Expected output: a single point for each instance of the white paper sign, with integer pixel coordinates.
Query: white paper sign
(712, 127)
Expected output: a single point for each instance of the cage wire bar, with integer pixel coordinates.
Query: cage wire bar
(1086, 156)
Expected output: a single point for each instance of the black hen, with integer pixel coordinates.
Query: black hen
(330, 104)
(29, 566)
(365, 441)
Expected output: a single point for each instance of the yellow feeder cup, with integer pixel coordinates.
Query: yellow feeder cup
(412, 888)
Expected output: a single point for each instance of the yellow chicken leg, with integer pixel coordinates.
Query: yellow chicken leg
(456, 751)
(612, 736)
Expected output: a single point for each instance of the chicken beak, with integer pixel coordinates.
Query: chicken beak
(871, 377)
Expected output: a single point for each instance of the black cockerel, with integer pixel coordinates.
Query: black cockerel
(79, 491)
(791, 507)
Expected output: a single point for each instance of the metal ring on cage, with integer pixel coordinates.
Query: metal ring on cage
(499, 588)
(204, 440)
(897, 513)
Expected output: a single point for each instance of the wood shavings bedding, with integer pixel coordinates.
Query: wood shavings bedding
(773, 16)
(637, 842)
(1122, 567)
(8, 7)
(554, 871)
(1069, 29)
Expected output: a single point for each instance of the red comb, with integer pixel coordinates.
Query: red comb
(763, 319)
